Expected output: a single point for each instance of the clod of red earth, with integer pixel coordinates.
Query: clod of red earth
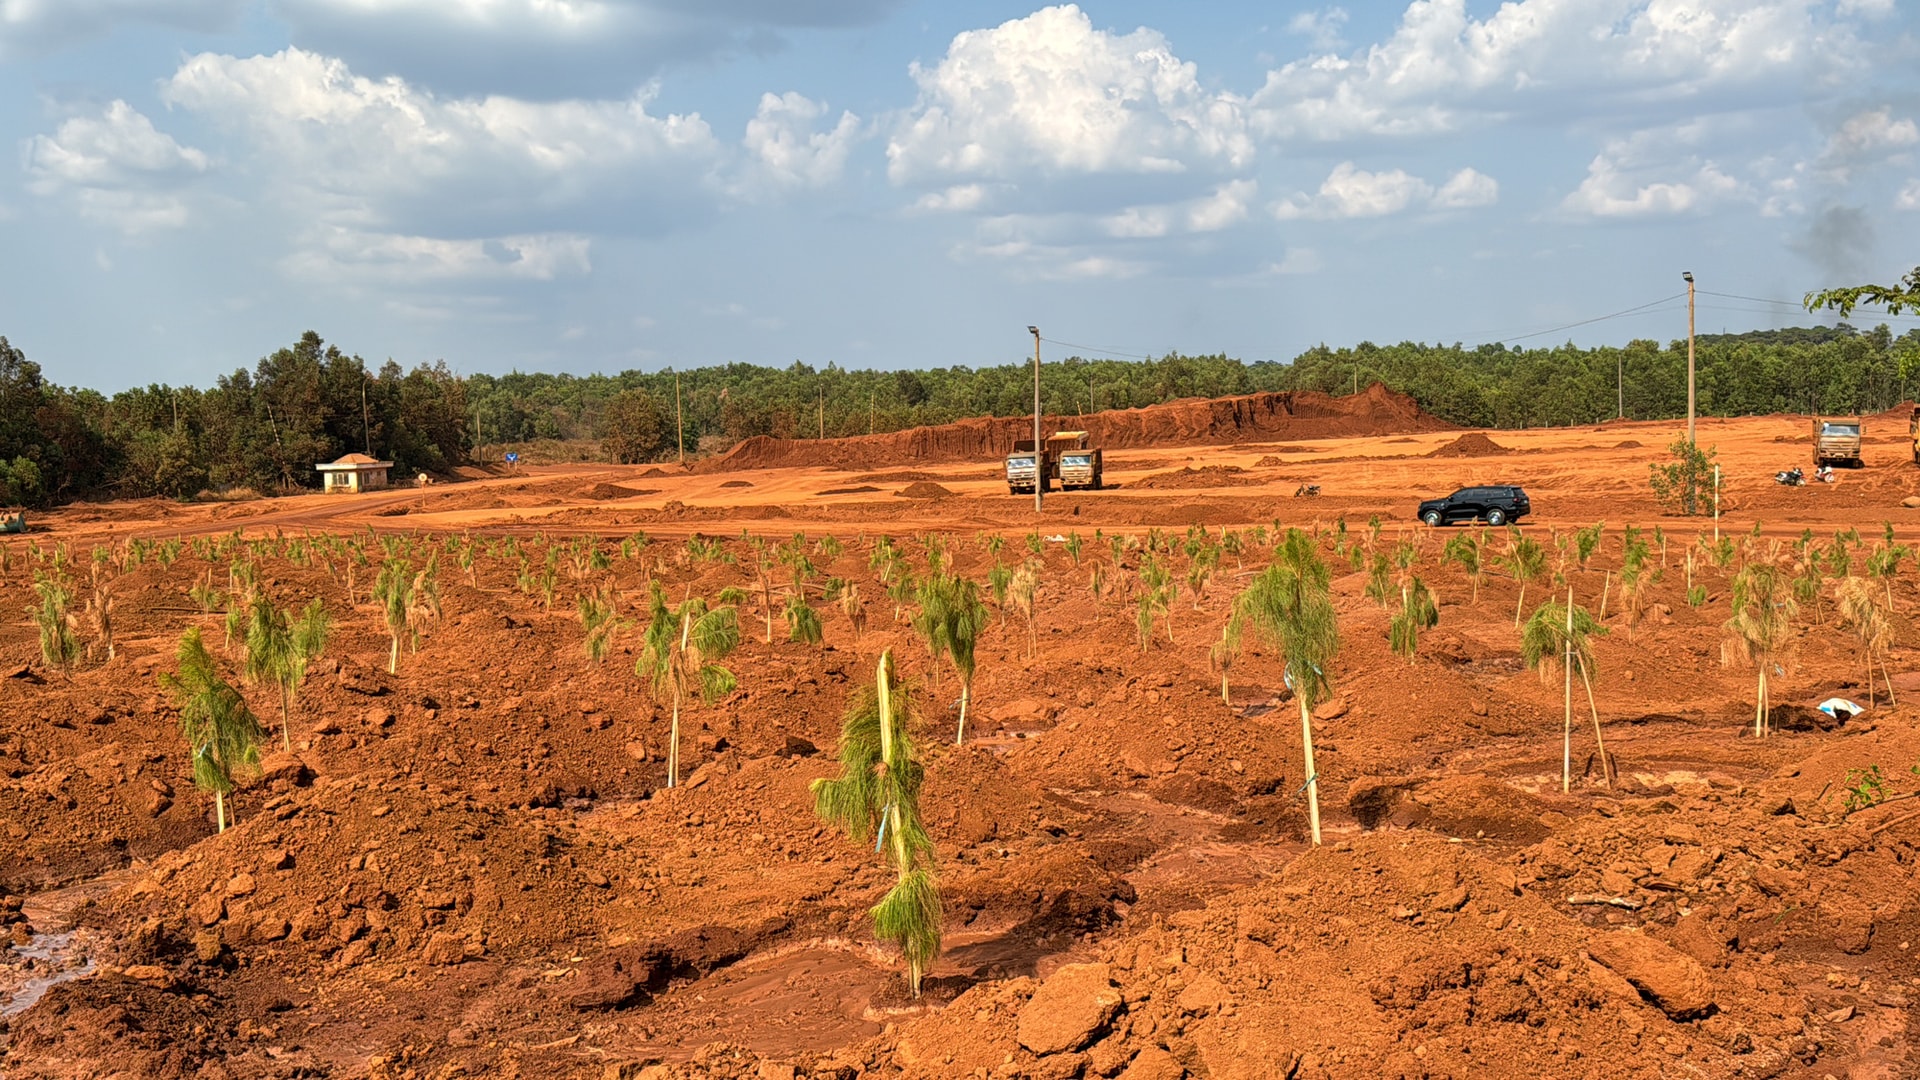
(1663, 975)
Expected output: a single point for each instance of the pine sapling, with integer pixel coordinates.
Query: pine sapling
(682, 657)
(221, 733)
(53, 616)
(877, 795)
(950, 618)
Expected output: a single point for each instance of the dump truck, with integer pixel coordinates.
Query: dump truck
(1913, 433)
(13, 523)
(1026, 467)
(1836, 440)
(1067, 458)
(1076, 461)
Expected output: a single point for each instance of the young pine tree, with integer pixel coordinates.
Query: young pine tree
(951, 618)
(1526, 561)
(280, 645)
(53, 616)
(1866, 618)
(877, 795)
(222, 734)
(682, 656)
(1561, 635)
(1290, 604)
(407, 601)
(1763, 610)
(803, 622)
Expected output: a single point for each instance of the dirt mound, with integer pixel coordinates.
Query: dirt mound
(1472, 444)
(924, 489)
(1628, 444)
(737, 484)
(862, 489)
(605, 491)
(1207, 476)
(1301, 414)
(655, 473)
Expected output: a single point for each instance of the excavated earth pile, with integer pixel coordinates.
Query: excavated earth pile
(1301, 414)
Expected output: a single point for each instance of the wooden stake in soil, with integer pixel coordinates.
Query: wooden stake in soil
(1566, 747)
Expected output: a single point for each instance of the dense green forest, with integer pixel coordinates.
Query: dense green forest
(264, 428)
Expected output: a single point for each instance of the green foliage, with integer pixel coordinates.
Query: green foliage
(1526, 560)
(1466, 550)
(1586, 541)
(53, 616)
(1544, 639)
(279, 646)
(407, 601)
(950, 619)
(1697, 596)
(1289, 604)
(1379, 579)
(1156, 598)
(599, 612)
(1419, 610)
(635, 428)
(1073, 546)
(1895, 298)
(1863, 788)
(681, 657)
(877, 795)
(1684, 485)
(221, 733)
(803, 622)
(1763, 610)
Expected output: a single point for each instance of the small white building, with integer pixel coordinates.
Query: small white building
(355, 472)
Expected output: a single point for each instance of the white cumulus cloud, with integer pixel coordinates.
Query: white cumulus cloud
(1049, 93)
(782, 137)
(1611, 191)
(1352, 192)
(1909, 197)
(382, 152)
(116, 167)
(1443, 70)
(1871, 133)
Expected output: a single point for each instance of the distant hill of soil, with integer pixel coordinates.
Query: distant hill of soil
(1301, 414)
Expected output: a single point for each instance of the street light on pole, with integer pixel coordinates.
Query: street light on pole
(1687, 276)
(1039, 459)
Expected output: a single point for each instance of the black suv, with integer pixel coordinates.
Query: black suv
(1494, 505)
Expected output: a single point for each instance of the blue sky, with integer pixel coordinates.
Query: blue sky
(582, 185)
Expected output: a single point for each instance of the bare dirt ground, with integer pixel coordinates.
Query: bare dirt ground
(473, 867)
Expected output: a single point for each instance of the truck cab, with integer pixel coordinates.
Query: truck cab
(1076, 460)
(1836, 440)
(1027, 468)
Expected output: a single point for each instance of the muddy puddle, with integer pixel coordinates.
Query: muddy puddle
(57, 952)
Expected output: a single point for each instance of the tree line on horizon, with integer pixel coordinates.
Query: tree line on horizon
(264, 428)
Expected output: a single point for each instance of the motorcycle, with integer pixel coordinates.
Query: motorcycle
(1306, 491)
(1824, 474)
(1790, 477)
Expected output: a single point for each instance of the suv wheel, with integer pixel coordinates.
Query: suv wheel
(1432, 518)
(1496, 517)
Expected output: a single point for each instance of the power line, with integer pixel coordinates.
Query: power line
(1636, 309)
(1798, 306)
(1093, 349)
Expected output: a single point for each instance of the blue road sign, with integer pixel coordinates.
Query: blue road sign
(513, 458)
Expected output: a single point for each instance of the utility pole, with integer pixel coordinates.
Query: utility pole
(1620, 384)
(872, 393)
(366, 421)
(1039, 456)
(1687, 275)
(822, 395)
(679, 420)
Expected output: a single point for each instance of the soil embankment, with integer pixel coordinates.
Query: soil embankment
(1303, 414)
